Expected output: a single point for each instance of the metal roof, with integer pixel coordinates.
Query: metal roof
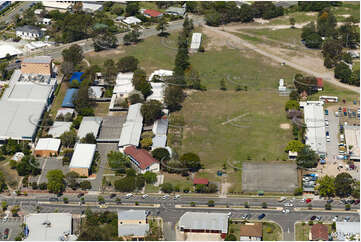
(137, 230)
(132, 128)
(132, 214)
(48, 144)
(134, 114)
(89, 125)
(158, 91)
(82, 156)
(352, 137)
(196, 41)
(345, 229)
(9, 49)
(160, 73)
(123, 83)
(315, 123)
(159, 141)
(96, 91)
(132, 20)
(204, 221)
(59, 128)
(77, 76)
(48, 226)
(180, 11)
(38, 60)
(29, 29)
(160, 126)
(29, 92)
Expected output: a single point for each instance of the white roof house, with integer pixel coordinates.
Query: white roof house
(46, 21)
(9, 49)
(161, 73)
(160, 129)
(315, 123)
(196, 41)
(128, 228)
(49, 227)
(89, 125)
(65, 111)
(204, 221)
(60, 5)
(344, 230)
(83, 156)
(59, 128)
(36, 45)
(48, 144)
(158, 91)
(132, 20)
(123, 84)
(132, 128)
(96, 91)
(92, 7)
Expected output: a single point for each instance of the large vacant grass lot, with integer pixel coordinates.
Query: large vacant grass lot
(254, 133)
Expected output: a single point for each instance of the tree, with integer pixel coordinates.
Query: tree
(298, 191)
(211, 203)
(65, 200)
(68, 138)
(85, 185)
(140, 181)
(67, 68)
(308, 29)
(3, 185)
(104, 39)
(356, 189)
(173, 97)
(141, 84)
(151, 111)
(222, 85)
(101, 200)
(89, 139)
(127, 64)
(349, 35)
(326, 186)
(264, 205)
(82, 102)
(328, 206)
(43, 186)
(70, 179)
(292, 105)
(347, 207)
(162, 25)
(14, 210)
(343, 72)
(56, 183)
(126, 184)
(135, 97)
(118, 161)
(161, 154)
(292, 22)
(294, 146)
(343, 184)
(132, 8)
(167, 187)
(28, 166)
(4, 205)
(246, 13)
(230, 237)
(326, 23)
(332, 48)
(307, 158)
(355, 77)
(313, 41)
(73, 54)
(132, 37)
(146, 143)
(213, 18)
(293, 95)
(191, 161)
(150, 177)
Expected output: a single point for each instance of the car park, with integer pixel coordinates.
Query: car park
(261, 216)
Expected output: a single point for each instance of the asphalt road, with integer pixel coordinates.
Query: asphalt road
(87, 44)
(18, 10)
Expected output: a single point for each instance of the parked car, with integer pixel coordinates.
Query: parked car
(347, 219)
(165, 197)
(80, 195)
(285, 211)
(113, 195)
(326, 112)
(329, 201)
(245, 216)
(326, 123)
(176, 197)
(335, 218)
(261, 216)
(129, 195)
(6, 233)
(357, 201)
(53, 199)
(145, 196)
(308, 200)
(327, 134)
(318, 218)
(313, 218)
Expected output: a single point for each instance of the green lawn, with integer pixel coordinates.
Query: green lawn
(151, 188)
(300, 17)
(11, 176)
(271, 232)
(347, 8)
(332, 90)
(178, 180)
(292, 36)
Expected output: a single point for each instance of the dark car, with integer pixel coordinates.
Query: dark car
(313, 218)
(53, 199)
(357, 201)
(80, 195)
(113, 195)
(261, 216)
(329, 201)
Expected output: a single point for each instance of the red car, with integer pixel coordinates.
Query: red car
(308, 200)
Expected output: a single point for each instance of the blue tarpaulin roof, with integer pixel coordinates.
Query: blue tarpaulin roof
(76, 76)
(68, 99)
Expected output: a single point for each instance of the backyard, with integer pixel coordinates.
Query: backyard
(303, 230)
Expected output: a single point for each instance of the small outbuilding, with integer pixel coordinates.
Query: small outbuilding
(47, 147)
(200, 181)
(89, 125)
(319, 232)
(82, 159)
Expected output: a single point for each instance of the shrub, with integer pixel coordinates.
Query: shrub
(193, 204)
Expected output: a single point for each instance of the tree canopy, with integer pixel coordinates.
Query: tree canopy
(307, 158)
(56, 182)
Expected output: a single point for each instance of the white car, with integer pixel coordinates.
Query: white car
(285, 211)
(335, 219)
(129, 195)
(326, 123)
(165, 197)
(145, 196)
(229, 214)
(176, 197)
(328, 139)
(288, 205)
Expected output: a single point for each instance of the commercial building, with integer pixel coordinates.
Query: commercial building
(250, 232)
(352, 138)
(42, 65)
(89, 125)
(196, 42)
(141, 160)
(49, 227)
(319, 232)
(69, 97)
(82, 158)
(348, 231)
(59, 128)
(315, 122)
(28, 32)
(176, 11)
(10, 50)
(47, 147)
(160, 130)
(23, 104)
(198, 222)
(132, 224)
(61, 6)
(132, 128)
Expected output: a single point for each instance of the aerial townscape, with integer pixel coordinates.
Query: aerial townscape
(180, 120)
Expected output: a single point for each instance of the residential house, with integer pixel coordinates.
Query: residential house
(200, 181)
(141, 160)
(29, 32)
(176, 11)
(132, 20)
(250, 232)
(150, 13)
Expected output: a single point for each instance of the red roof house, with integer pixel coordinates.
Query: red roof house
(319, 84)
(202, 181)
(141, 160)
(152, 13)
(319, 232)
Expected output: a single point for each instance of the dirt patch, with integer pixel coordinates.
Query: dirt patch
(216, 41)
(311, 14)
(261, 21)
(285, 126)
(346, 15)
(105, 53)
